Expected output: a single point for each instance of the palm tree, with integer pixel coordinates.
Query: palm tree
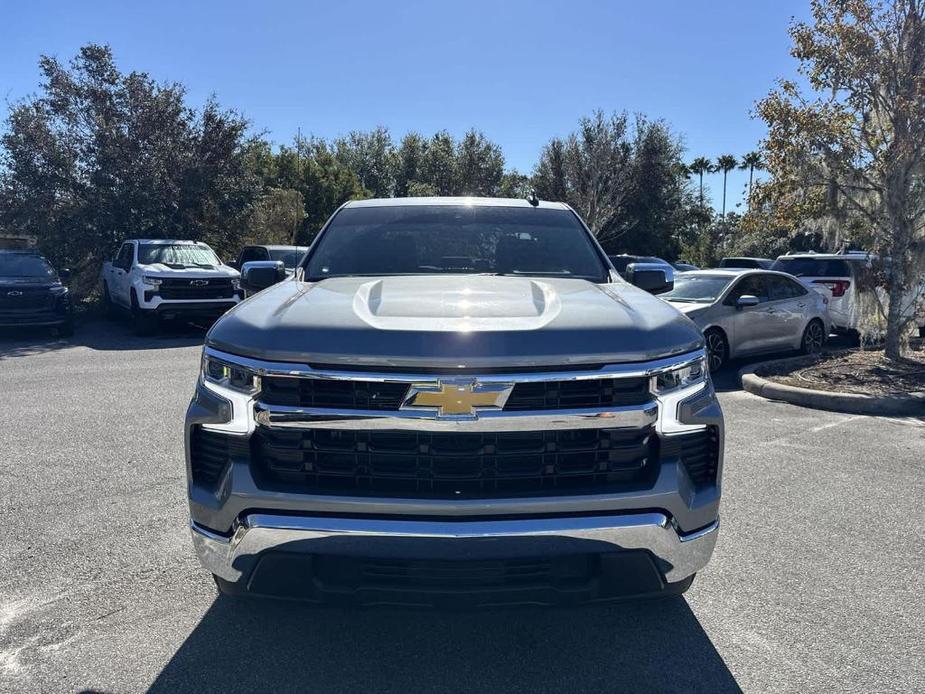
(701, 166)
(725, 163)
(751, 161)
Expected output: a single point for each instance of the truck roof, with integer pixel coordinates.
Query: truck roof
(473, 201)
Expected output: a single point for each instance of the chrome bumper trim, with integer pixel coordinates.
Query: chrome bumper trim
(281, 417)
(629, 370)
(678, 556)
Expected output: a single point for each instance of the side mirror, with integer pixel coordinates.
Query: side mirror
(257, 275)
(651, 277)
(746, 300)
(233, 263)
(64, 274)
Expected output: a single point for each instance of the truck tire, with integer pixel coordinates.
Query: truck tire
(145, 321)
(108, 306)
(66, 329)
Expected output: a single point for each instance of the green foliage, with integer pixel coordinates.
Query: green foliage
(276, 218)
(628, 181)
(100, 155)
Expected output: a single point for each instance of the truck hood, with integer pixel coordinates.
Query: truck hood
(166, 272)
(453, 322)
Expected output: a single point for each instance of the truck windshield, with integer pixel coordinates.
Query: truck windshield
(24, 265)
(177, 255)
(290, 257)
(700, 289)
(455, 239)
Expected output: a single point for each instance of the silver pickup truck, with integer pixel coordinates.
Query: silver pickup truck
(453, 401)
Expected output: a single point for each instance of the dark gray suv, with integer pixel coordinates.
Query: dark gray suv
(453, 401)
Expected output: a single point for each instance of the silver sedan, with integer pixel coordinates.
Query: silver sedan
(750, 311)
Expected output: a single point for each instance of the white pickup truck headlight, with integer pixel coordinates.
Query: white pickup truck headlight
(153, 281)
(231, 376)
(680, 377)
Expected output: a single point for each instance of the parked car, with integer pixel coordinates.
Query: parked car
(747, 263)
(167, 278)
(33, 293)
(421, 414)
(750, 311)
(684, 267)
(626, 265)
(288, 255)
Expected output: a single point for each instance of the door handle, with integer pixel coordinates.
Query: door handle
(801, 305)
(771, 310)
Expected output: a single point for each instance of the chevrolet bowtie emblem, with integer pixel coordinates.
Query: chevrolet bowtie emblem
(457, 398)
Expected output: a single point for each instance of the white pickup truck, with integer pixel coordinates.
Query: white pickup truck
(166, 278)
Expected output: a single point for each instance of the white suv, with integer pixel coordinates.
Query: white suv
(838, 273)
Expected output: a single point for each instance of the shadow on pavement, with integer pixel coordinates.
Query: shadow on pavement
(99, 334)
(260, 645)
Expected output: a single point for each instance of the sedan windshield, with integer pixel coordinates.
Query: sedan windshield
(700, 289)
(177, 255)
(24, 265)
(455, 239)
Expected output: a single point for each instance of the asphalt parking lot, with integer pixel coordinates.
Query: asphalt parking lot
(816, 584)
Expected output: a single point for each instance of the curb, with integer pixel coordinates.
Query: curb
(852, 403)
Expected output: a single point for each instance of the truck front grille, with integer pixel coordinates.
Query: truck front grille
(25, 298)
(378, 395)
(215, 288)
(455, 465)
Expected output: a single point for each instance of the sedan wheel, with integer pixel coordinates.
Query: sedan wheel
(813, 338)
(717, 349)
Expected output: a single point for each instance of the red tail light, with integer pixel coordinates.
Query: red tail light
(838, 287)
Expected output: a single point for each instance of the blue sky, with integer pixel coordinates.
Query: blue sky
(520, 71)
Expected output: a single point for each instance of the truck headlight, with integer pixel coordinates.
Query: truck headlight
(235, 284)
(58, 290)
(689, 374)
(153, 281)
(231, 376)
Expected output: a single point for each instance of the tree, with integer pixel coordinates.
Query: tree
(701, 166)
(439, 166)
(725, 163)
(628, 182)
(371, 157)
(311, 168)
(409, 163)
(751, 162)
(479, 165)
(589, 169)
(276, 218)
(854, 146)
(100, 155)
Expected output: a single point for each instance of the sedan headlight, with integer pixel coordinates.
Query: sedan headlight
(231, 376)
(153, 281)
(689, 374)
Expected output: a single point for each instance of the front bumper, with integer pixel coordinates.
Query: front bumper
(642, 552)
(171, 309)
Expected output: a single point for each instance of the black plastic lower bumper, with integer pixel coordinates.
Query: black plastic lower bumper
(457, 584)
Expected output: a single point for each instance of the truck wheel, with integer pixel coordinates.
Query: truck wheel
(813, 337)
(66, 329)
(145, 321)
(108, 306)
(717, 349)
